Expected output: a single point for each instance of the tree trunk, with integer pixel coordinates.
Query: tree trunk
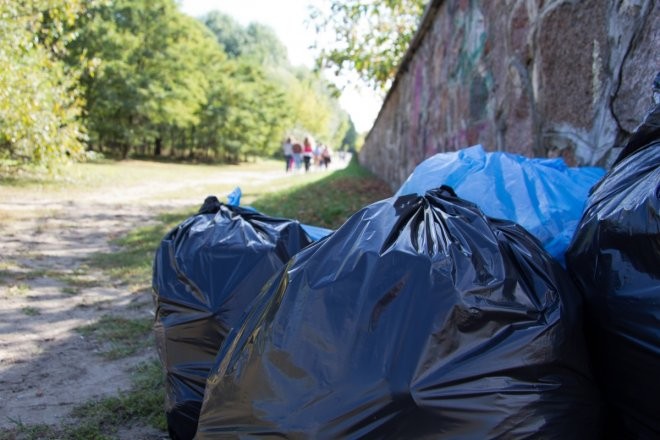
(158, 148)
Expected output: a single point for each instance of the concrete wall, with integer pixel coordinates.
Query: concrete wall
(536, 77)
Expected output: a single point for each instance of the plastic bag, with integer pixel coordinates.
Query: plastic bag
(615, 259)
(206, 272)
(544, 196)
(417, 318)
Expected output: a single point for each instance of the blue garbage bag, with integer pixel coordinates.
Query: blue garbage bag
(545, 196)
(234, 197)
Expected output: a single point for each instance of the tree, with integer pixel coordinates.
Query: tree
(229, 33)
(264, 46)
(370, 36)
(350, 138)
(275, 97)
(39, 105)
(148, 71)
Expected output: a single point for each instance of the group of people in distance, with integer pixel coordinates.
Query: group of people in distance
(296, 155)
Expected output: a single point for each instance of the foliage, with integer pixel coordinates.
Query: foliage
(146, 71)
(350, 138)
(126, 77)
(370, 36)
(274, 99)
(229, 33)
(263, 46)
(39, 103)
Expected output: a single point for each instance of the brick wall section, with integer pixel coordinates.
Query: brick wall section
(536, 77)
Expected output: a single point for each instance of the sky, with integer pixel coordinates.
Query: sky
(287, 18)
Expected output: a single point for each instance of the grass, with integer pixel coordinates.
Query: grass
(101, 419)
(327, 202)
(109, 177)
(30, 311)
(118, 337)
(19, 289)
(143, 403)
(78, 279)
(132, 263)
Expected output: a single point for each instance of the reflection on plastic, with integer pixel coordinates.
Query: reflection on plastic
(206, 272)
(418, 318)
(544, 196)
(615, 258)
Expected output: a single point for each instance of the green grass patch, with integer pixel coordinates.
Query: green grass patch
(142, 404)
(329, 201)
(101, 419)
(78, 279)
(132, 263)
(68, 290)
(118, 337)
(19, 289)
(29, 432)
(30, 311)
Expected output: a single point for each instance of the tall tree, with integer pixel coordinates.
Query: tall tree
(370, 36)
(288, 99)
(229, 33)
(148, 73)
(350, 138)
(39, 105)
(264, 46)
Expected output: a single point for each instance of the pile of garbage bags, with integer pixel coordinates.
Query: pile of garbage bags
(419, 317)
(442, 312)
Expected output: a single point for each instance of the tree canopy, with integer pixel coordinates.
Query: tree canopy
(39, 102)
(368, 37)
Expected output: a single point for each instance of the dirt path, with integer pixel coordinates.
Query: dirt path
(46, 367)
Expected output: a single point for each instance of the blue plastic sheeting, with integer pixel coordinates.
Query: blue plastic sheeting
(545, 196)
(316, 232)
(234, 197)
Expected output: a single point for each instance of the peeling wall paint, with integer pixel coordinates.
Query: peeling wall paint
(535, 77)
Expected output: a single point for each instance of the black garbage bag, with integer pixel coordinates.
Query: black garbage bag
(418, 318)
(206, 271)
(615, 259)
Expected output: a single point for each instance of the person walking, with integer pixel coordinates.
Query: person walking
(287, 149)
(326, 157)
(308, 153)
(297, 155)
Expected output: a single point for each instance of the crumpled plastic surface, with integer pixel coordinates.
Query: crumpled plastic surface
(615, 259)
(545, 196)
(417, 318)
(206, 271)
